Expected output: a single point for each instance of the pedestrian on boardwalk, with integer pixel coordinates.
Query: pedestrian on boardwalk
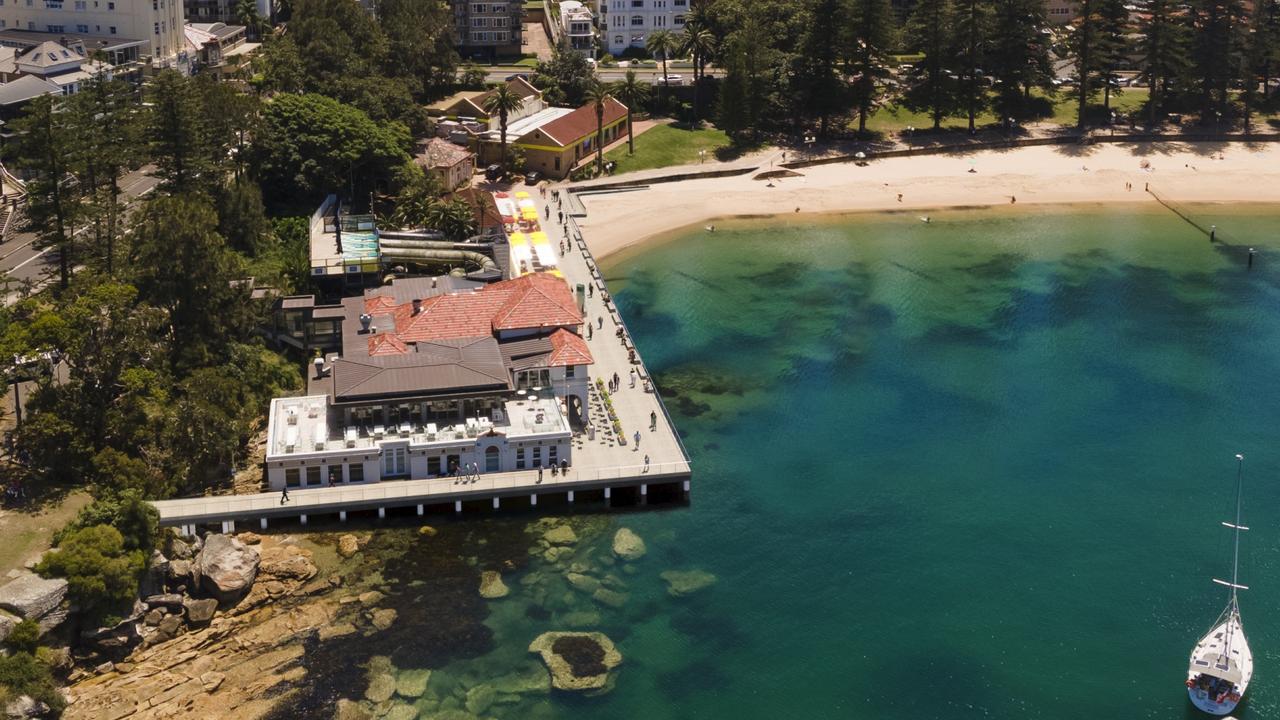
(284, 496)
(653, 421)
(616, 380)
(591, 290)
(599, 322)
(646, 462)
(539, 474)
(633, 377)
(546, 210)
(637, 437)
(588, 332)
(562, 218)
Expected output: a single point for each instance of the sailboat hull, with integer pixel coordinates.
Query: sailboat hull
(1223, 662)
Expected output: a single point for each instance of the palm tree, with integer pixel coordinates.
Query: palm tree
(632, 93)
(597, 95)
(503, 100)
(454, 218)
(700, 42)
(662, 43)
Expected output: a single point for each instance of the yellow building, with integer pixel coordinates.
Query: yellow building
(556, 147)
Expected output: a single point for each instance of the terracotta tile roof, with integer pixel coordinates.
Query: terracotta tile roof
(537, 300)
(386, 344)
(379, 305)
(568, 349)
(571, 128)
(449, 316)
(441, 153)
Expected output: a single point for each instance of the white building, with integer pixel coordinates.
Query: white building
(628, 23)
(438, 375)
(579, 27)
(156, 23)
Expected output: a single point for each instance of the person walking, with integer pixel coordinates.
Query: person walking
(546, 211)
(588, 332)
(284, 495)
(539, 474)
(637, 438)
(615, 380)
(599, 322)
(646, 463)
(633, 377)
(653, 420)
(591, 290)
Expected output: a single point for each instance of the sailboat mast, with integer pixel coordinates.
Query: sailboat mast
(1235, 559)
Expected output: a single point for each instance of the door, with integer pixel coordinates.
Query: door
(492, 460)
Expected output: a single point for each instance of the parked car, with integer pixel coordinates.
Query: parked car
(493, 173)
(532, 177)
(527, 77)
(671, 79)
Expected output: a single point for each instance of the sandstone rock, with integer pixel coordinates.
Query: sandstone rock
(32, 597)
(427, 531)
(628, 545)
(105, 668)
(412, 683)
(170, 626)
(200, 612)
(287, 562)
(328, 632)
(124, 667)
(684, 582)
(179, 550)
(532, 680)
(553, 554)
(25, 706)
(560, 535)
(371, 597)
(153, 617)
(401, 712)
(491, 585)
(351, 710)
(227, 568)
(249, 538)
(383, 618)
(585, 583)
(612, 598)
(348, 545)
(7, 624)
(172, 601)
(480, 699)
(212, 680)
(180, 570)
(381, 688)
(577, 661)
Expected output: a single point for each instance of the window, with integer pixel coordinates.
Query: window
(552, 455)
(2, 23)
(355, 472)
(492, 461)
(539, 378)
(537, 456)
(313, 476)
(56, 28)
(679, 20)
(393, 461)
(53, 4)
(291, 477)
(112, 29)
(82, 28)
(637, 20)
(157, 28)
(520, 458)
(335, 474)
(637, 3)
(617, 40)
(435, 465)
(111, 6)
(155, 5)
(557, 162)
(568, 371)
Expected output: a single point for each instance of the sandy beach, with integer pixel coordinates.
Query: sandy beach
(1179, 172)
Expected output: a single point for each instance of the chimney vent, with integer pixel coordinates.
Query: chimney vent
(433, 283)
(417, 306)
(366, 321)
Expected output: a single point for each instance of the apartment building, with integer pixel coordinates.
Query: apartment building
(487, 30)
(628, 23)
(156, 23)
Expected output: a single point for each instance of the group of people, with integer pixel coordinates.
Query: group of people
(562, 468)
(615, 382)
(466, 473)
(15, 492)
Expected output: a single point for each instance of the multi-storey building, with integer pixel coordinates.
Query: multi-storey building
(487, 30)
(628, 23)
(579, 27)
(224, 11)
(157, 23)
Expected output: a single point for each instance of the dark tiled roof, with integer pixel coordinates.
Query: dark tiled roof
(452, 366)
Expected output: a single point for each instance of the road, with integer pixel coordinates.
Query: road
(21, 262)
(500, 74)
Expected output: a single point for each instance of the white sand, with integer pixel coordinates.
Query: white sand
(1180, 172)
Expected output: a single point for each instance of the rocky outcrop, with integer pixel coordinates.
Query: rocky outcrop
(200, 612)
(24, 707)
(560, 535)
(628, 545)
(685, 582)
(7, 624)
(32, 597)
(412, 683)
(577, 661)
(226, 567)
(491, 585)
(381, 688)
(348, 545)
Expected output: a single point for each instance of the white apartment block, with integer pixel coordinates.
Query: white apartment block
(157, 23)
(628, 23)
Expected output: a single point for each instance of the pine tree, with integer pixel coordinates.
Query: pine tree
(1018, 58)
(933, 85)
(973, 27)
(817, 81)
(1163, 48)
(870, 37)
(1111, 47)
(55, 202)
(1217, 52)
(178, 132)
(1083, 49)
(106, 120)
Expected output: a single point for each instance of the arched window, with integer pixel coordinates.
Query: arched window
(492, 461)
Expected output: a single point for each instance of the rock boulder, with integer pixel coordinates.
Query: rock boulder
(576, 660)
(226, 567)
(628, 545)
(560, 535)
(25, 706)
(32, 597)
(200, 612)
(685, 582)
(491, 585)
(348, 545)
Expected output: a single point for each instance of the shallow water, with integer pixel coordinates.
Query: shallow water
(968, 469)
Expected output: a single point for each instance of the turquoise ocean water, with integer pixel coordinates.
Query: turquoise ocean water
(967, 469)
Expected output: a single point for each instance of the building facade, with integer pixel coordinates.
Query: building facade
(156, 23)
(488, 30)
(437, 376)
(579, 27)
(628, 23)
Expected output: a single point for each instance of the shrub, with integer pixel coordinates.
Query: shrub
(102, 575)
(24, 637)
(135, 519)
(22, 674)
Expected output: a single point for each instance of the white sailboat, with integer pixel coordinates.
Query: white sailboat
(1222, 663)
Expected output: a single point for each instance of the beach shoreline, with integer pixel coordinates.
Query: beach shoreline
(1182, 173)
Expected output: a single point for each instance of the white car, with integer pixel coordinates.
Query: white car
(671, 79)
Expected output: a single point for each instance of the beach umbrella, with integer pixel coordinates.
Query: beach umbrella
(522, 194)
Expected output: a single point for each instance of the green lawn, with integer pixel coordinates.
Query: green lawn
(667, 145)
(893, 119)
